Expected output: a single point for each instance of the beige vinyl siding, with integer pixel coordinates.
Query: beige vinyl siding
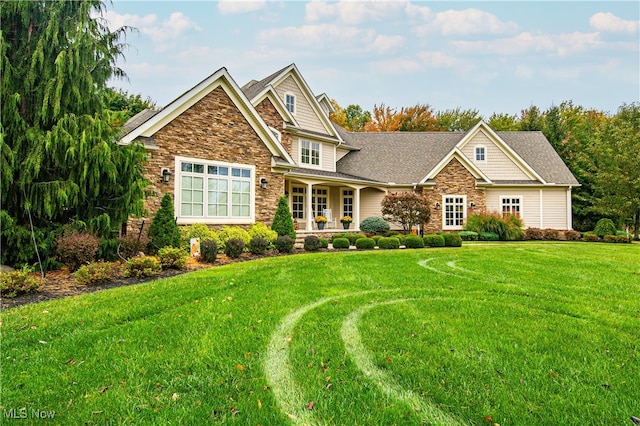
(554, 202)
(327, 155)
(497, 165)
(304, 114)
(341, 153)
(370, 200)
(529, 203)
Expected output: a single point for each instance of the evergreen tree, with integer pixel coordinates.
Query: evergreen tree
(282, 222)
(58, 150)
(164, 231)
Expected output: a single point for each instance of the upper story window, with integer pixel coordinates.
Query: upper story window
(310, 153)
(214, 192)
(481, 154)
(290, 102)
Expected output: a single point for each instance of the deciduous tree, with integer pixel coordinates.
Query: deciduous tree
(406, 208)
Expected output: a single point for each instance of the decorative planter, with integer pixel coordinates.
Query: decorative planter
(321, 225)
(346, 225)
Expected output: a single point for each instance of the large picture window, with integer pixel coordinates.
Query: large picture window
(214, 192)
(310, 153)
(454, 211)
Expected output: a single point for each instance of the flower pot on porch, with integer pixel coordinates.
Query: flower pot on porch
(321, 225)
(346, 225)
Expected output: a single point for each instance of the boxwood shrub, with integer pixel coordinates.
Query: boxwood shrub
(468, 235)
(572, 235)
(258, 245)
(489, 236)
(355, 237)
(365, 243)
(590, 237)
(284, 244)
(312, 243)
(341, 243)
(376, 238)
(452, 240)
(208, 251)
(413, 241)
(324, 243)
(234, 247)
(389, 243)
(433, 240)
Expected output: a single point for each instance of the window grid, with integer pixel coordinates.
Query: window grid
(297, 209)
(511, 206)
(310, 153)
(454, 211)
(347, 203)
(480, 153)
(290, 102)
(319, 200)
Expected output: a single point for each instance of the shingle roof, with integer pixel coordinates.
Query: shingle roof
(139, 119)
(327, 174)
(407, 157)
(252, 88)
(535, 149)
(398, 157)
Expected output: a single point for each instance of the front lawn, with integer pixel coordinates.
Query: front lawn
(516, 334)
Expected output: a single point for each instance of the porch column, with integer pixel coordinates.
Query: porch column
(356, 208)
(309, 207)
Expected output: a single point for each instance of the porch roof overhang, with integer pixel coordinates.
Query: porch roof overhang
(330, 177)
(297, 131)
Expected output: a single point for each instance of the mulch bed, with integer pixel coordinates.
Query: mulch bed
(61, 283)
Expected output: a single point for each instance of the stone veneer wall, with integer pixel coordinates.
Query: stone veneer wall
(212, 129)
(454, 179)
(272, 117)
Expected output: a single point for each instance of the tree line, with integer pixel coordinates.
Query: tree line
(602, 150)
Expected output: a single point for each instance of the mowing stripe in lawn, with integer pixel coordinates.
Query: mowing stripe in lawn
(426, 263)
(351, 337)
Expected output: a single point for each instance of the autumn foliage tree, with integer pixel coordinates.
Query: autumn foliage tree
(406, 208)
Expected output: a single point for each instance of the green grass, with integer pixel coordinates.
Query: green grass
(527, 333)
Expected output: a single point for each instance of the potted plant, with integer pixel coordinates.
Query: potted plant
(321, 220)
(346, 221)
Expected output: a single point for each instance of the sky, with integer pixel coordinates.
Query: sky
(494, 57)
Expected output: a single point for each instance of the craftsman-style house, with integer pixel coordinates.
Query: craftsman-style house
(227, 153)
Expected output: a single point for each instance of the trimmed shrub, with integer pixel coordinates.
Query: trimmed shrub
(489, 236)
(129, 245)
(340, 243)
(388, 243)
(197, 230)
(324, 243)
(533, 234)
(164, 231)
(232, 232)
(374, 225)
(138, 267)
(452, 240)
(258, 245)
(172, 258)
(376, 238)
(355, 237)
(605, 227)
(433, 240)
(75, 249)
(590, 238)
(401, 238)
(208, 251)
(616, 239)
(17, 282)
(95, 273)
(284, 244)
(282, 221)
(468, 235)
(551, 234)
(234, 247)
(261, 230)
(572, 235)
(365, 243)
(311, 243)
(413, 241)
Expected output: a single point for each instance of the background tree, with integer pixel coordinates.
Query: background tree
(531, 119)
(406, 208)
(503, 122)
(457, 120)
(417, 118)
(383, 119)
(617, 159)
(352, 118)
(58, 148)
(128, 105)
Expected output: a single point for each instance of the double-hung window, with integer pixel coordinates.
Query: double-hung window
(214, 192)
(455, 211)
(310, 153)
(290, 102)
(347, 202)
(481, 154)
(510, 206)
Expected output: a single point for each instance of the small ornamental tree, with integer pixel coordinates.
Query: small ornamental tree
(283, 222)
(406, 208)
(164, 231)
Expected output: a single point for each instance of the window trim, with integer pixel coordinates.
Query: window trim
(484, 153)
(310, 165)
(511, 197)
(444, 212)
(343, 197)
(293, 104)
(224, 220)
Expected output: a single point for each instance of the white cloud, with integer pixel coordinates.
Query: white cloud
(353, 12)
(560, 44)
(464, 22)
(602, 21)
(159, 32)
(423, 13)
(385, 43)
(422, 61)
(230, 7)
(437, 59)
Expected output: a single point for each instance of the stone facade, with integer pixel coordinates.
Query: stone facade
(454, 179)
(212, 129)
(272, 117)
